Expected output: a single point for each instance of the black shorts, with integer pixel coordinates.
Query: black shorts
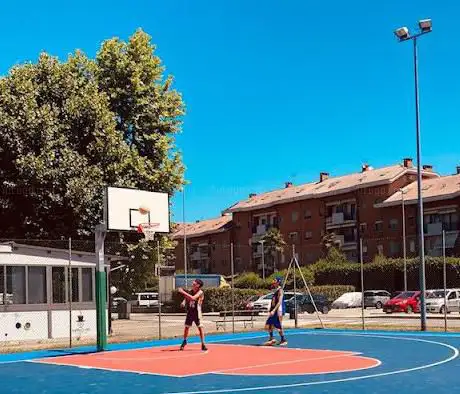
(192, 317)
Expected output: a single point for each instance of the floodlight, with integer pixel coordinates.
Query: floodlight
(425, 25)
(402, 33)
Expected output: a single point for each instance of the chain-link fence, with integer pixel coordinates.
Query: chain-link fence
(47, 288)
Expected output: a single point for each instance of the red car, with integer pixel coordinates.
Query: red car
(406, 301)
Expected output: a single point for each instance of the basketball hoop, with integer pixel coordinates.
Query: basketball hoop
(148, 229)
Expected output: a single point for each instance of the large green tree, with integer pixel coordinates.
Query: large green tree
(69, 128)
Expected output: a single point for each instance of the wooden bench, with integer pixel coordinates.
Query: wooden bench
(245, 317)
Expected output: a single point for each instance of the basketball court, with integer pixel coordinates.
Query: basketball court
(315, 361)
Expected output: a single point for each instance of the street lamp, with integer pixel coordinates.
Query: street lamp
(263, 258)
(403, 34)
(404, 237)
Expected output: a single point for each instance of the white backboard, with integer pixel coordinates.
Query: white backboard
(122, 209)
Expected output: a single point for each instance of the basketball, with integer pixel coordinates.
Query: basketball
(144, 210)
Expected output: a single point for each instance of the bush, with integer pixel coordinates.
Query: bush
(332, 292)
(250, 280)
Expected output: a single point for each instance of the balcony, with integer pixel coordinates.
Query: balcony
(339, 219)
(346, 241)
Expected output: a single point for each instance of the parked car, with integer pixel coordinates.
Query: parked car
(376, 298)
(348, 300)
(264, 302)
(435, 301)
(305, 304)
(146, 299)
(406, 301)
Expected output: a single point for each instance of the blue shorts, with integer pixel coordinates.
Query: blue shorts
(274, 321)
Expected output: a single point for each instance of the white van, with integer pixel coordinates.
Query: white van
(147, 299)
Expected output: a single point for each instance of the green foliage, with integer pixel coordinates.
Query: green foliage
(332, 292)
(69, 128)
(306, 272)
(250, 280)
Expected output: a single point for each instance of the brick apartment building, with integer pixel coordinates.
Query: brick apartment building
(366, 205)
(208, 245)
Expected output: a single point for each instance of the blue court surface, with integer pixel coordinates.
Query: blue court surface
(355, 362)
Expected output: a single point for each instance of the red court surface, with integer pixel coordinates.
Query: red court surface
(220, 359)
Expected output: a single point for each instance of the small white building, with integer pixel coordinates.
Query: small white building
(45, 293)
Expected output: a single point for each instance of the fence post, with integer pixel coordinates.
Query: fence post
(233, 287)
(362, 281)
(159, 289)
(444, 269)
(70, 292)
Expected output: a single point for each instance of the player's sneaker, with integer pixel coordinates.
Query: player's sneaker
(183, 345)
(283, 342)
(270, 342)
(204, 348)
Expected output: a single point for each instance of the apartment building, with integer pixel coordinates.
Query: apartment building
(441, 203)
(365, 205)
(208, 245)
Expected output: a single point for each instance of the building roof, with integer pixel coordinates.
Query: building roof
(443, 188)
(204, 227)
(331, 186)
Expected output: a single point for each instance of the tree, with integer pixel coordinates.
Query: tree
(69, 128)
(273, 244)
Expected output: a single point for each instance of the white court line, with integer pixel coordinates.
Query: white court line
(303, 384)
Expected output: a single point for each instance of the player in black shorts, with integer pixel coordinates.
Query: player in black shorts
(193, 302)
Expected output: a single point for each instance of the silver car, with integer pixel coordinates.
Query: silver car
(376, 298)
(435, 301)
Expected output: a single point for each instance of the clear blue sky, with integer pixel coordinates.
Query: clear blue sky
(275, 90)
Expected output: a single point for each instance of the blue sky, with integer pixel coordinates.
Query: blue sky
(275, 90)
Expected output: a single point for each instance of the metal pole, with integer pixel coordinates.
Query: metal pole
(263, 260)
(445, 277)
(70, 292)
(233, 287)
(185, 236)
(362, 281)
(404, 240)
(159, 289)
(420, 200)
(295, 289)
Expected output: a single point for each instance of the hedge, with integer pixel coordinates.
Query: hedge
(388, 274)
(219, 299)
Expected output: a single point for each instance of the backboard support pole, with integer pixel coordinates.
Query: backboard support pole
(101, 289)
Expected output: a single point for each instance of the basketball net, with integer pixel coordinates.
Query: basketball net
(148, 229)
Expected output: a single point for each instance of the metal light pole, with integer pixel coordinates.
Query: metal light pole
(185, 236)
(403, 35)
(263, 258)
(404, 238)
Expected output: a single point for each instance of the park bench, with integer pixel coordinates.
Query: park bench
(245, 317)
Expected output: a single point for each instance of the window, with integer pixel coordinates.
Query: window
(393, 224)
(412, 246)
(36, 285)
(293, 236)
(363, 227)
(16, 284)
(87, 284)
(308, 235)
(453, 295)
(2, 286)
(411, 221)
(58, 279)
(394, 248)
(307, 214)
(75, 286)
(378, 226)
(294, 216)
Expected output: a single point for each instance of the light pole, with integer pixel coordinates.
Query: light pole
(263, 258)
(402, 33)
(404, 237)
